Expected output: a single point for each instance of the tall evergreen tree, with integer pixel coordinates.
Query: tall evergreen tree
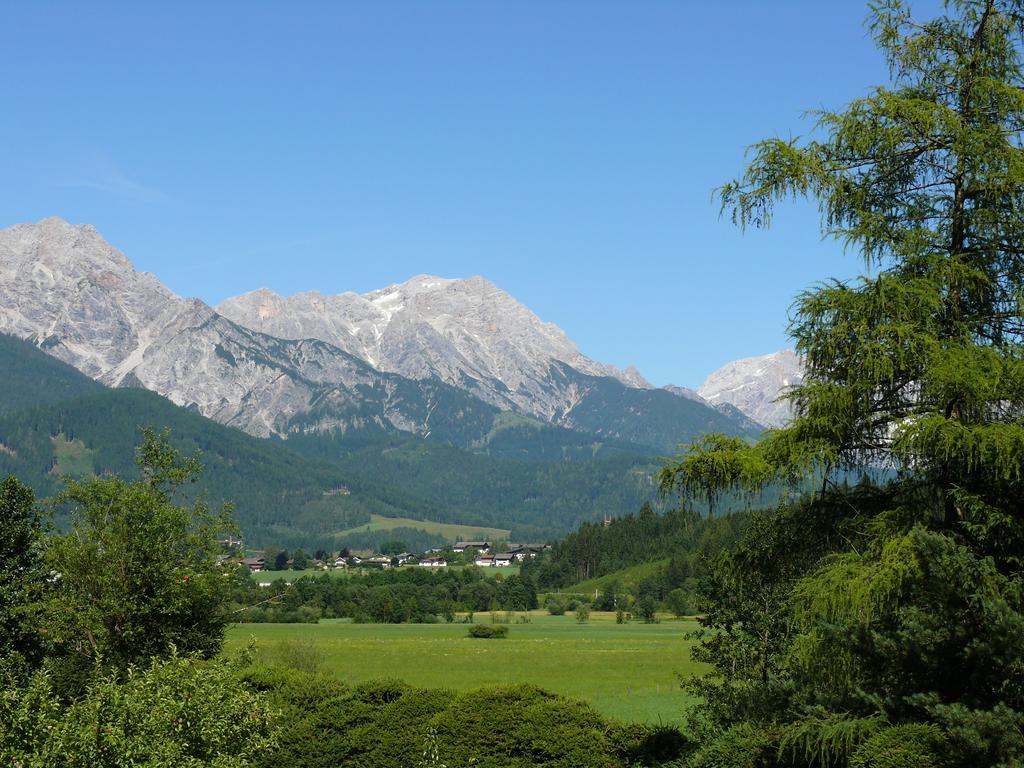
(887, 619)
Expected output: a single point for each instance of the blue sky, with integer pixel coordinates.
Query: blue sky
(566, 150)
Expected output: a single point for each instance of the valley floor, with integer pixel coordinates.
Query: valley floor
(627, 671)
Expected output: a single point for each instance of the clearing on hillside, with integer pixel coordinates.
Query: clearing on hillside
(450, 531)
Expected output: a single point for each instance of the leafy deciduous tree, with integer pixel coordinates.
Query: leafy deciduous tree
(137, 574)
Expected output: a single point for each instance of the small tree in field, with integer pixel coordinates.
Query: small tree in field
(896, 600)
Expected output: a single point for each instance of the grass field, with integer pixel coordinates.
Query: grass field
(627, 671)
(450, 531)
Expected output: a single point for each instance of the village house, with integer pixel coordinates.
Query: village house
(526, 551)
(433, 562)
(500, 560)
(482, 547)
(255, 564)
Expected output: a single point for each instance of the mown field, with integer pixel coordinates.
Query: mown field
(628, 671)
(450, 531)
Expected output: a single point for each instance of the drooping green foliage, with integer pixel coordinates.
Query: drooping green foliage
(853, 612)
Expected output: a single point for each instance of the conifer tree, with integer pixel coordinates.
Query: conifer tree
(888, 614)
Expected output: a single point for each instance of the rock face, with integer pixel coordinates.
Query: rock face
(64, 287)
(468, 333)
(431, 356)
(753, 385)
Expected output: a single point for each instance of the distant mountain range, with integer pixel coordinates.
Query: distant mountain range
(432, 357)
(436, 399)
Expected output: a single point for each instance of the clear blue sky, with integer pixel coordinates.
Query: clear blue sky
(565, 150)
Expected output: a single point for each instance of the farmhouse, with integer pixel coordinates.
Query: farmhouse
(480, 546)
(526, 551)
(255, 564)
(500, 560)
(433, 562)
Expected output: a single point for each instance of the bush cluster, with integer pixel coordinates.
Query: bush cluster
(488, 631)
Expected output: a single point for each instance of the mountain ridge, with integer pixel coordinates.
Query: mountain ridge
(467, 332)
(463, 351)
(754, 385)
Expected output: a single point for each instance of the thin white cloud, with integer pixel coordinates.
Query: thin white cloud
(103, 175)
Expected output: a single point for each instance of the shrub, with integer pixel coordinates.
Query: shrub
(903, 746)
(555, 606)
(522, 727)
(303, 654)
(488, 630)
(742, 746)
(382, 724)
(181, 712)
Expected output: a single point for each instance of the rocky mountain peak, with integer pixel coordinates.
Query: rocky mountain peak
(466, 332)
(753, 385)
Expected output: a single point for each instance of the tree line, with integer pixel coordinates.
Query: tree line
(404, 595)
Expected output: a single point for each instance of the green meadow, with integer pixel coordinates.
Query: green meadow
(450, 531)
(628, 671)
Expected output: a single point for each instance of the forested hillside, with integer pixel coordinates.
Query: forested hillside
(538, 499)
(301, 492)
(597, 549)
(29, 378)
